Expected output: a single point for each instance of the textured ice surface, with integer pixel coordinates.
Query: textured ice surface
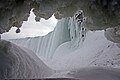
(19, 63)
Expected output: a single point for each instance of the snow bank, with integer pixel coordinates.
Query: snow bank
(20, 63)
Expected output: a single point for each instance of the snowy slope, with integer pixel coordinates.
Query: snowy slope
(20, 63)
(96, 50)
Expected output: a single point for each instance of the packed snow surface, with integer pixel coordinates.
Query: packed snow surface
(91, 73)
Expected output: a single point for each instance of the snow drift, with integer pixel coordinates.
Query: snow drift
(20, 63)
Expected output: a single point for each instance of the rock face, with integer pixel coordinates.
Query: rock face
(20, 63)
(13, 13)
(100, 14)
(113, 35)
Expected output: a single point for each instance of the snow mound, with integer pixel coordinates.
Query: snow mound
(19, 63)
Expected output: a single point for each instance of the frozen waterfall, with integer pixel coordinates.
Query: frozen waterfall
(67, 29)
(72, 46)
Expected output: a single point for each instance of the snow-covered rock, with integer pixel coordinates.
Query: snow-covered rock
(20, 63)
(113, 34)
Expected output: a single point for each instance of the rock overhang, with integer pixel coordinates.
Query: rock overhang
(101, 14)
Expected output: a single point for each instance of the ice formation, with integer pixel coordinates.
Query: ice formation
(20, 63)
(74, 46)
(46, 45)
(67, 29)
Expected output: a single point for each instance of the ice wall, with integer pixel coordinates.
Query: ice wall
(67, 29)
(46, 45)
